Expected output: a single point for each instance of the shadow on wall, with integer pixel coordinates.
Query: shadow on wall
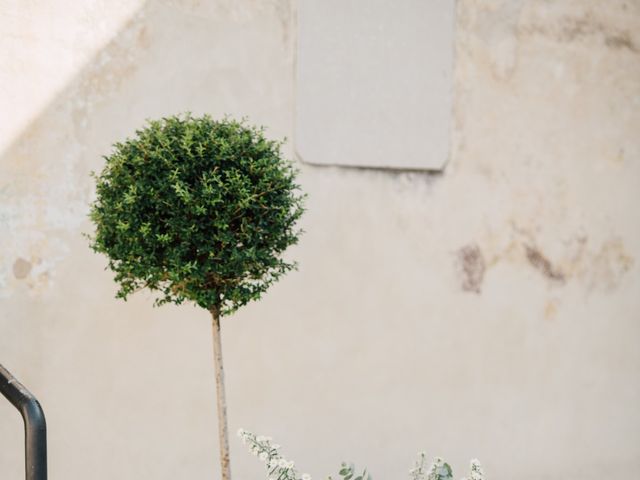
(169, 57)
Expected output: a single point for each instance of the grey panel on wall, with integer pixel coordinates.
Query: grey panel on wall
(374, 82)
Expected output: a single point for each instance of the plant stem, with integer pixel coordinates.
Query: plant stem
(223, 431)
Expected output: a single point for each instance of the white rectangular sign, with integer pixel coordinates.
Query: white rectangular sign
(374, 82)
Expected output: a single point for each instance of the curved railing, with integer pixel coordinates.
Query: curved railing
(35, 427)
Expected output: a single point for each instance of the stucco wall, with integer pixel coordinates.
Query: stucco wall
(487, 311)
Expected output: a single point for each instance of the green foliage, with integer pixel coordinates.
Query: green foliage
(348, 472)
(197, 209)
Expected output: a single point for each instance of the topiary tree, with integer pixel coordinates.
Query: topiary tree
(198, 210)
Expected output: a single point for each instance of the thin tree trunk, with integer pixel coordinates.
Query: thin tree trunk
(223, 431)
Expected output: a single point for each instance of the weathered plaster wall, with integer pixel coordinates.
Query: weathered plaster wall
(489, 311)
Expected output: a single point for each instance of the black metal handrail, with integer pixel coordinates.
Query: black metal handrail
(35, 426)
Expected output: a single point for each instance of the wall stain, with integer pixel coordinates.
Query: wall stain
(21, 268)
(621, 41)
(608, 265)
(572, 29)
(599, 266)
(472, 268)
(543, 264)
(493, 36)
(551, 309)
(142, 39)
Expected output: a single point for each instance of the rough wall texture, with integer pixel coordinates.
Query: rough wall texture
(488, 311)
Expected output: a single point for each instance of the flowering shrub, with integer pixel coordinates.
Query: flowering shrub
(439, 470)
(279, 468)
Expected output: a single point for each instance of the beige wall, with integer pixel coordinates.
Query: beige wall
(489, 311)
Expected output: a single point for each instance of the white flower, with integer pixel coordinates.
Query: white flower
(263, 456)
(290, 464)
(306, 476)
(476, 470)
(282, 463)
(260, 438)
(273, 463)
(240, 432)
(275, 446)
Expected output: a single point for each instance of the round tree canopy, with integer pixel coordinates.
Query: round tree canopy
(197, 209)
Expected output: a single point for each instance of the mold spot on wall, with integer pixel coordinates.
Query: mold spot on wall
(621, 41)
(543, 264)
(21, 268)
(471, 267)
